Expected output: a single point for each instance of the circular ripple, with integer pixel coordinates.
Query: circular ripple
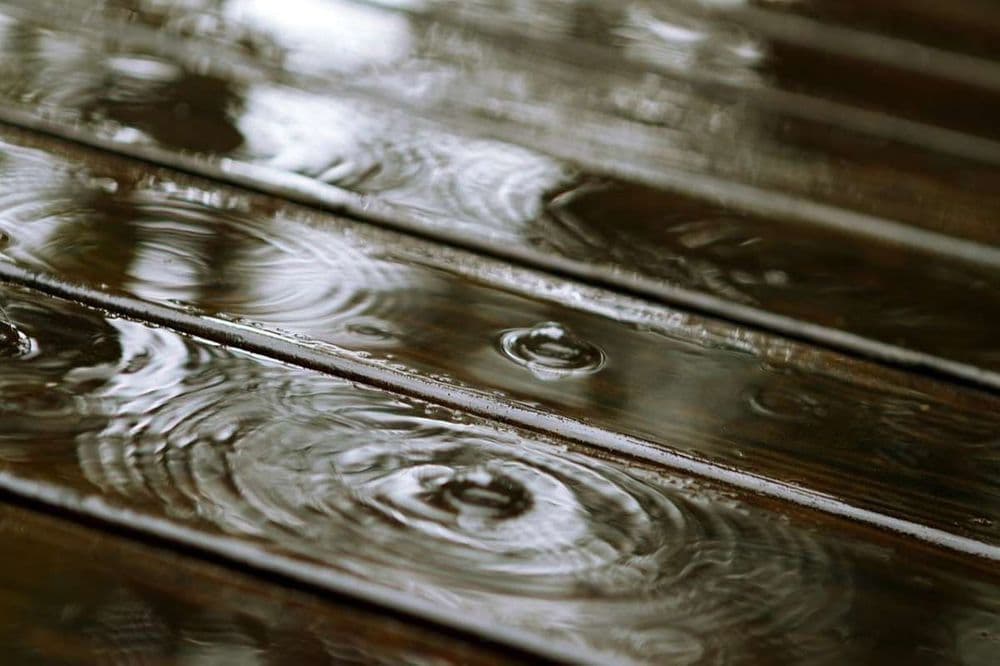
(421, 499)
(551, 351)
(185, 246)
(44, 400)
(280, 273)
(348, 142)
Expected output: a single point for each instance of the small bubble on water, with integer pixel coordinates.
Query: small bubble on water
(370, 330)
(129, 135)
(551, 351)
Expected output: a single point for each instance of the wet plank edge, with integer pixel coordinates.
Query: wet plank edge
(290, 572)
(904, 55)
(227, 61)
(784, 102)
(310, 192)
(964, 27)
(480, 404)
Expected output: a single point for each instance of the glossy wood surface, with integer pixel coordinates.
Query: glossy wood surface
(436, 319)
(71, 594)
(483, 331)
(378, 496)
(734, 172)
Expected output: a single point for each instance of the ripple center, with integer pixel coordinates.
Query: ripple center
(551, 351)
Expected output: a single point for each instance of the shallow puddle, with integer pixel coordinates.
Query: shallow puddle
(699, 152)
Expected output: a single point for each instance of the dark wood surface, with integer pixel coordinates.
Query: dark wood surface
(371, 494)
(902, 446)
(70, 594)
(751, 180)
(968, 27)
(591, 331)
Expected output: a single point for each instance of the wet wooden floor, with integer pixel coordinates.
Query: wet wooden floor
(470, 332)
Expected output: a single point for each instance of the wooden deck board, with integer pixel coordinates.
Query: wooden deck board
(756, 127)
(969, 26)
(659, 207)
(431, 320)
(270, 466)
(587, 331)
(70, 594)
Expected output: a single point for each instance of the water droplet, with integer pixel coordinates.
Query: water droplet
(368, 331)
(779, 403)
(129, 135)
(551, 351)
(479, 492)
(776, 278)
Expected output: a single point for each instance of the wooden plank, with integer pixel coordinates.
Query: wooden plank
(673, 228)
(766, 50)
(907, 453)
(70, 595)
(360, 491)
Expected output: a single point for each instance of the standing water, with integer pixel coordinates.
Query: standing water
(493, 523)
(663, 147)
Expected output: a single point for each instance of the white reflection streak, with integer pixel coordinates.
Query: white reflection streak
(327, 35)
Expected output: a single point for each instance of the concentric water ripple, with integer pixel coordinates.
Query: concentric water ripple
(139, 97)
(189, 247)
(422, 499)
(551, 351)
(350, 142)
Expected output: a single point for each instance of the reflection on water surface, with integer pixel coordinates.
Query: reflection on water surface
(431, 502)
